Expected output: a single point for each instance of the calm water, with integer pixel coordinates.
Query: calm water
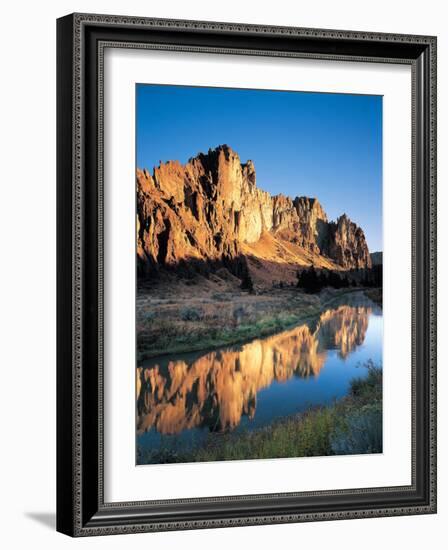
(181, 399)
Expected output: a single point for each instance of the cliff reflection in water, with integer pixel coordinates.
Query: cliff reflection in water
(216, 389)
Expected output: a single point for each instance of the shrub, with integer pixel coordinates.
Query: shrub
(363, 432)
(190, 314)
(238, 313)
(369, 387)
(149, 315)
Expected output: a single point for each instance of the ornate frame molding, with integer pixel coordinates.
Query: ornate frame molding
(81, 42)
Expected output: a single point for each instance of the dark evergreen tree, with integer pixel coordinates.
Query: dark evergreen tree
(334, 279)
(309, 280)
(246, 282)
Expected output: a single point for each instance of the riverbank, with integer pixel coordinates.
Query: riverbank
(351, 425)
(195, 317)
(376, 295)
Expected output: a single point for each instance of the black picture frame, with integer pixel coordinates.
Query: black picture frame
(81, 510)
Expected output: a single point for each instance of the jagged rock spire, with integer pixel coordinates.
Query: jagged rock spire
(209, 208)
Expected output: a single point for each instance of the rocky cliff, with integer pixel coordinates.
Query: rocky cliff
(346, 244)
(210, 210)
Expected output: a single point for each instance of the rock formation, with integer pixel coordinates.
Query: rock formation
(211, 211)
(346, 244)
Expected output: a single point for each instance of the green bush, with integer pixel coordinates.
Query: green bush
(370, 387)
(239, 313)
(150, 316)
(362, 434)
(191, 314)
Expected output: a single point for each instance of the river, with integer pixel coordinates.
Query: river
(185, 398)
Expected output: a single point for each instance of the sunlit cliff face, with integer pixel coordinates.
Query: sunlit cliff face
(181, 208)
(216, 389)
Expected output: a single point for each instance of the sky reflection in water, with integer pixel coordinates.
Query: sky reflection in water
(182, 398)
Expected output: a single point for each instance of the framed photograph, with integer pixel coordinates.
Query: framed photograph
(246, 274)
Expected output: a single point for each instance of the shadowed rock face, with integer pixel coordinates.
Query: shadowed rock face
(209, 208)
(217, 388)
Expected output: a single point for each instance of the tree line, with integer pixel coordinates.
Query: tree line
(313, 280)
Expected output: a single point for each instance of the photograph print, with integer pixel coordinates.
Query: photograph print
(259, 329)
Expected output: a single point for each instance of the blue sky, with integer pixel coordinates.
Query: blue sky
(320, 145)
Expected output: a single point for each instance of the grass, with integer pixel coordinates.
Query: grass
(194, 324)
(180, 336)
(351, 425)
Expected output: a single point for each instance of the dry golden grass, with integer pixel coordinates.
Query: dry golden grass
(183, 316)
